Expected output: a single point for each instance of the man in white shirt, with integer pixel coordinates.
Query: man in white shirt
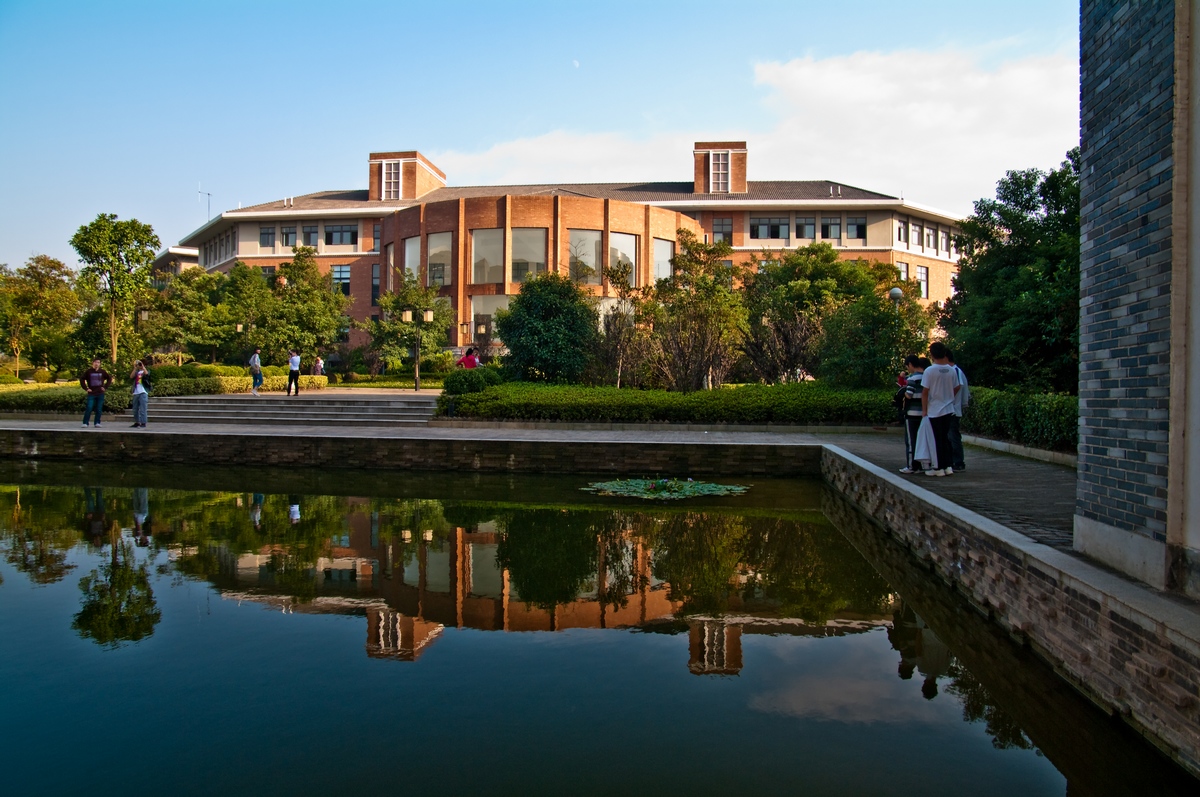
(939, 386)
(961, 399)
(293, 372)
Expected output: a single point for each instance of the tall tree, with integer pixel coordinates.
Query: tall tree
(1014, 317)
(393, 338)
(40, 308)
(550, 329)
(307, 314)
(117, 257)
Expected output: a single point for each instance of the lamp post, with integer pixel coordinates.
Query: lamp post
(407, 317)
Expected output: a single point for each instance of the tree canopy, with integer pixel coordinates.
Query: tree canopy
(551, 329)
(1014, 317)
(393, 338)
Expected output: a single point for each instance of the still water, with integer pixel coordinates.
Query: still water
(195, 632)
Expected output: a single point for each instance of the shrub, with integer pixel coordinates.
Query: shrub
(274, 370)
(1049, 421)
(162, 372)
(470, 380)
(440, 363)
(9, 379)
(804, 403)
(43, 376)
(195, 370)
(551, 330)
(58, 398)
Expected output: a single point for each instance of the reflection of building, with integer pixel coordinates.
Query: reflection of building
(479, 243)
(714, 648)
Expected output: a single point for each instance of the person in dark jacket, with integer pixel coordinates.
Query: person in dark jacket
(95, 381)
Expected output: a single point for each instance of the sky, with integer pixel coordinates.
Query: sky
(134, 108)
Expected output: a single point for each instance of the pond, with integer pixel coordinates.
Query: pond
(193, 631)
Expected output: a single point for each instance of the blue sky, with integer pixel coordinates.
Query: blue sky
(124, 107)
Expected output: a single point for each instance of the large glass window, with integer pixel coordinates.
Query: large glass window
(412, 255)
(923, 281)
(389, 259)
(341, 279)
(288, 234)
(772, 228)
(831, 227)
(720, 173)
(806, 227)
(723, 230)
(375, 244)
(441, 271)
(856, 228)
(663, 252)
(622, 252)
(391, 180)
(374, 284)
(341, 234)
(310, 234)
(528, 253)
(487, 255)
(266, 236)
(585, 256)
(483, 313)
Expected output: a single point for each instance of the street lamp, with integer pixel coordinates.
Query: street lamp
(895, 294)
(427, 318)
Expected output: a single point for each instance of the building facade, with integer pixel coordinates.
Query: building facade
(1139, 383)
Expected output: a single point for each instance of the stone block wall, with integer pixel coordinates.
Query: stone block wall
(1126, 117)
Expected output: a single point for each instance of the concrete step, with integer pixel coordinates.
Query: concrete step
(302, 410)
(289, 421)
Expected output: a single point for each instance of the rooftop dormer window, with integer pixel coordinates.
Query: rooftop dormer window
(391, 179)
(719, 173)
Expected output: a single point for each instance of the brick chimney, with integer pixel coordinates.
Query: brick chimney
(720, 167)
(402, 175)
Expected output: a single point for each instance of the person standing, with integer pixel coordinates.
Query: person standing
(256, 374)
(95, 381)
(319, 367)
(293, 371)
(939, 384)
(961, 399)
(912, 409)
(140, 377)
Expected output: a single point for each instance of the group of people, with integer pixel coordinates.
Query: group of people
(932, 395)
(256, 370)
(96, 381)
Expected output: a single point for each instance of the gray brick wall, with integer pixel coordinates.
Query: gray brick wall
(1126, 104)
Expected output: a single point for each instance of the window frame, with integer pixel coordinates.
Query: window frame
(287, 236)
(718, 172)
(828, 223)
(860, 226)
(724, 222)
(389, 183)
(771, 224)
(310, 229)
(810, 225)
(923, 280)
(335, 232)
(336, 274)
(266, 235)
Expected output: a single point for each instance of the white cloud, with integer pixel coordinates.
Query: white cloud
(940, 127)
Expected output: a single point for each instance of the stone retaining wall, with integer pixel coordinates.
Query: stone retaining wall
(416, 453)
(1129, 649)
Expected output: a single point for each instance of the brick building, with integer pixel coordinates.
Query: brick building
(478, 243)
(1139, 385)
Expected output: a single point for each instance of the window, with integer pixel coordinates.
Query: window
(310, 234)
(487, 255)
(374, 284)
(945, 241)
(902, 232)
(288, 234)
(266, 236)
(341, 234)
(916, 234)
(375, 236)
(856, 228)
(622, 252)
(903, 269)
(341, 279)
(719, 173)
(412, 255)
(663, 252)
(831, 227)
(585, 256)
(769, 228)
(930, 241)
(528, 253)
(723, 230)
(389, 259)
(806, 227)
(391, 180)
(268, 271)
(923, 281)
(441, 272)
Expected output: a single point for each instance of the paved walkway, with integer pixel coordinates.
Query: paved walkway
(1034, 498)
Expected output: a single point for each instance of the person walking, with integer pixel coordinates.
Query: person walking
(961, 399)
(939, 384)
(140, 377)
(912, 409)
(95, 381)
(293, 371)
(256, 374)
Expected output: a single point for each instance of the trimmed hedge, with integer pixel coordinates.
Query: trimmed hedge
(470, 380)
(70, 398)
(1049, 421)
(804, 403)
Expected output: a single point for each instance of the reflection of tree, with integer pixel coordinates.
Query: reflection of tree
(698, 554)
(37, 545)
(550, 554)
(978, 705)
(118, 603)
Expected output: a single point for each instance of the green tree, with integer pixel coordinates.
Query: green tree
(864, 341)
(1014, 317)
(392, 338)
(550, 329)
(118, 603)
(621, 322)
(54, 303)
(787, 299)
(117, 258)
(250, 302)
(697, 316)
(307, 314)
(190, 313)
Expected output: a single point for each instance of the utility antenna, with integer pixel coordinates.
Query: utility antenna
(199, 194)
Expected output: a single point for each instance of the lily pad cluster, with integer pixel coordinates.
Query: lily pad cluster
(663, 489)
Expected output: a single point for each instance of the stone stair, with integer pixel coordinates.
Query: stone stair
(307, 409)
